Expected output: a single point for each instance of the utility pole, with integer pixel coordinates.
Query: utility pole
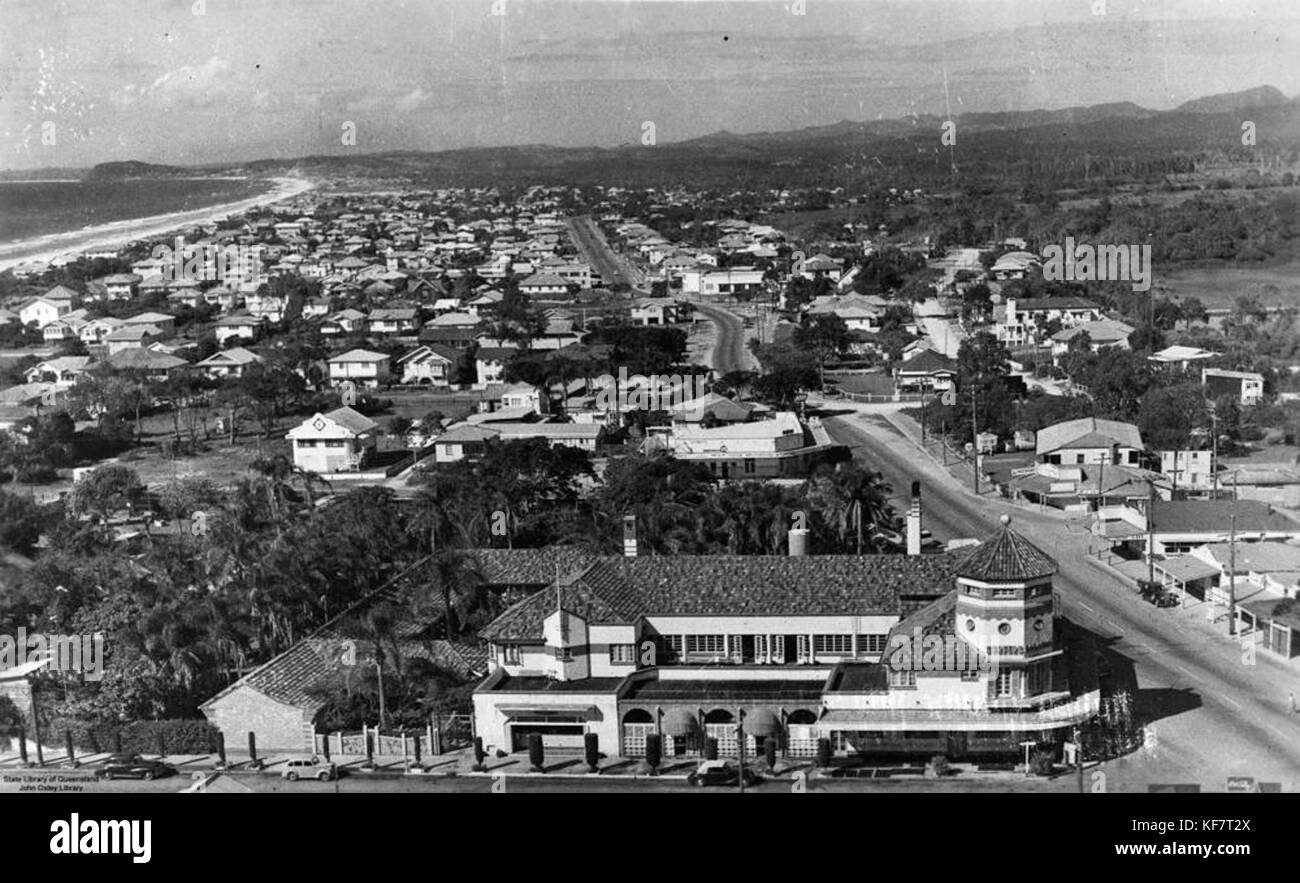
(1214, 451)
(974, 436)
(740, 741)
(1078, 757)
(1232, 563)
(1151, 532)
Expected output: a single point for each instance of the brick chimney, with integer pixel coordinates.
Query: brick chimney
(629, 536)
(914, 521)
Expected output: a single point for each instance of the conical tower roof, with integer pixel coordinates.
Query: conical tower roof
(1007, 558)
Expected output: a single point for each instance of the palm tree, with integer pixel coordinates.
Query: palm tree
(849, 498)
(454, 586)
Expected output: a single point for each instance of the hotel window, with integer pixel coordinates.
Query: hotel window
(512, 654)
(622, 654)
(670, 647)
(1004, 683)
(970, 674)
(711, 644)
(749, 467)
(833, 644)
(1006, 593)
(871, 644)
(564, 654)
(973, 591)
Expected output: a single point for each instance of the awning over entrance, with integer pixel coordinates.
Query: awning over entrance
(761, 722)
(679, 722)
(540, 712)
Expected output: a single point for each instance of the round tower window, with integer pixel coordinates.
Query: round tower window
(970, 625)
(1004, 628)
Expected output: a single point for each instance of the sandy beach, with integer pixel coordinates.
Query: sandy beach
(103, 236)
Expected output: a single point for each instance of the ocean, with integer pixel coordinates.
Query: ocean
(30, 209)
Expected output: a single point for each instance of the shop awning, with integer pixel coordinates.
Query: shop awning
(761, 722)
(535, 712)
(679, 722)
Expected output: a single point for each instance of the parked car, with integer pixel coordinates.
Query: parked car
(721, 772)
(1157, 594)
(309, 768)
(133, 766)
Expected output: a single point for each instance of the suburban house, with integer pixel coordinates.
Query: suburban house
(131, 337)
(228, 363)
(362, 367)
(1090, 440)
(347, 321)
(165, 324)
(405, 320)
(1015, 265)
(239, 327)
(430, 365)
(1101, 333)
(340, 441)
(1246, 387)
(154, 365)
(1188, 470)
(544, 285)
(46, 308)
(95, 330)
(467, 440)
(927, 371)
(62, 371)
(119, 286)
(1180, 358)
(1022, 320)
(654, 311)
(490, 365)
(795, 648)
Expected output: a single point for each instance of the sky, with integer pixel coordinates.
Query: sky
(216, 81)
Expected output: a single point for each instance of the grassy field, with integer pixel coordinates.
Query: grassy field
(1219, 287)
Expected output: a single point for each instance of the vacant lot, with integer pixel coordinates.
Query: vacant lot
(1219, 287)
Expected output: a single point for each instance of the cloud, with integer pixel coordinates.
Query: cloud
(213, 82)
(413, 99)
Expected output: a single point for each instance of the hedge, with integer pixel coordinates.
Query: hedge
(183, 736)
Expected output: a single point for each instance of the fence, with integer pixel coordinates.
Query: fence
(873, 398)
(443, 734)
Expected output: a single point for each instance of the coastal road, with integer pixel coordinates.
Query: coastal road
(1214, 713)
(612, 267)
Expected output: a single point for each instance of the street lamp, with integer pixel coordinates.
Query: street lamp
(1027, 745)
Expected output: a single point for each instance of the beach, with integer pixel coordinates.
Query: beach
(117, 233)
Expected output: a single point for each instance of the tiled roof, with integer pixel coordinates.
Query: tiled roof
(1008, 557)
(734, 585)
(317, 660)
(1087, 432)
(1215, 516)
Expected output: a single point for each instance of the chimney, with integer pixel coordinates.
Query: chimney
(914, 521)
(798, 542)
(629, 536)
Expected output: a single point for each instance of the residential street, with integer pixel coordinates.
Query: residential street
(1213, 715)
(730, 352)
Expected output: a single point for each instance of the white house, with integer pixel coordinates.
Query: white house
(1023, 319)
(431, 365)
(228, 363)
(362, 367)
(54, 304)
(339, 441)
(1089, 440)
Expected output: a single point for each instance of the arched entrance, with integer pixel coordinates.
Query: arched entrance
(801, 738)
(720, 724)
(637, 725)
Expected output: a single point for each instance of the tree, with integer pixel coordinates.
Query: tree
(1172, 418)
(105, 490)
(536, 753)
(653, 752)
(591, 750)
(825, 335)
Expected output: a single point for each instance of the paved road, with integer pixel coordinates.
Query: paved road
(1213, 714)
(612, 268)
(729, 351)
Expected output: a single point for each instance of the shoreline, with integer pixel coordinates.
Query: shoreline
(117, 233)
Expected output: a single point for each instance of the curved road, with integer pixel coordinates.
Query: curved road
(1213, 713)
(729, 350)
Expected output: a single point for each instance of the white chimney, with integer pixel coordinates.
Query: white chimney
(798, 541)
(629, 536)
(914, 521)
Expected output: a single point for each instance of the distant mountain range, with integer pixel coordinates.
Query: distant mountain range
(1123, 128)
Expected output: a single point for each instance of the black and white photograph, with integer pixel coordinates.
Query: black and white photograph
(871, 398)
